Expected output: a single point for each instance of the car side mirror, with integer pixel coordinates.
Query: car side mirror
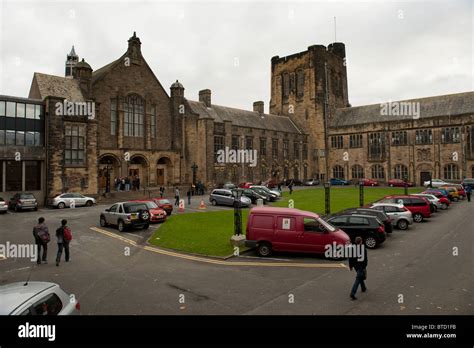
(107, 210)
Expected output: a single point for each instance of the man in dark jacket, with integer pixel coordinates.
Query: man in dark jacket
(62, 242)
(360, 266)
(42, 237)
(468, 190)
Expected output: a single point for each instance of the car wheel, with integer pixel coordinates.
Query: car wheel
(145, 227)
(371, 242)
(61, 205)
(402, 224)
(121, 226)
(418, 217)
(103, 222)
(444, 206)
(17, 209)
(391, 185)
(89, 204)
(213, 202)
(264, 249)
(456, 199)
(144, 215)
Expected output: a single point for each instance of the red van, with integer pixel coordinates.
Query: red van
(293, 230)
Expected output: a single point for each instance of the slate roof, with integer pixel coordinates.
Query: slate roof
(57, 86)
(438, 106)
(244, 118)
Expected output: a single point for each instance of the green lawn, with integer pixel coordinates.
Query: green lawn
(208, 233)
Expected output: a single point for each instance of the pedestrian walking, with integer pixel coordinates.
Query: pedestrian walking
(290, 186)
(137, 183)
(359, 264)
(279, 187)
(64, 236)
(42, 238)
(176, 196)
(127, 184)
(122, 184)
(468, 192)
(162, 190)
(189, 194)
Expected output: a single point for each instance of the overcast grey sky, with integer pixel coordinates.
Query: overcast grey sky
(395, 50)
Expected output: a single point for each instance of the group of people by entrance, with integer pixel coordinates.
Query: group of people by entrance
(127, 183)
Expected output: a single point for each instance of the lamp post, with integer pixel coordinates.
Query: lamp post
(194, 167)
(361, 193)
(327, 199)
(405, 184)
(238, 238)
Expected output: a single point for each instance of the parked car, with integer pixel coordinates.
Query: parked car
(399, 183)
(443, 198)
(21, 201)
(368, 227)
(3, 206)
(453, 193)
(36, 298)
(229, 186)
(64, 200)
(435, 183)
(334, 181)
(311, 182)
(460, 189)
(435, 203)
(271, 184)
(254, 196)
(290, 230)
(296, 182)
(369, 182)
(401, 217)
(468, 182)
(225, 197)
(269, 191)
(157, 214)
(245, 184)
(419, 206)
(269, 196)
(164, 204)
(126, 215)
(384, 218)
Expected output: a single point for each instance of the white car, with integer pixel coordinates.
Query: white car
(3, 206)
(71, 199)
(400, 215)
(266, 189)
(434, 201)
(435, 183)
(36, 298)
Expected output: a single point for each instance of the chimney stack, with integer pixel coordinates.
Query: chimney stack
(205, 97)
(258, 106)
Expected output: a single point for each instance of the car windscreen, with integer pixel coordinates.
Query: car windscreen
(134, 207)
(151, 205)
(27, 196)
(164, 201)
(326, 225)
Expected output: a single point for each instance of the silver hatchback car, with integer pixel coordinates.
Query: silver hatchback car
(401, 216)
(71, 200)
(36, 298)
(225, 197)
(125, 215)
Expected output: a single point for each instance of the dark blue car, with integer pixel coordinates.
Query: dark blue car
(334, 181)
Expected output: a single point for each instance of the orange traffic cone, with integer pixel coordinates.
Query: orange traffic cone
(202, 205)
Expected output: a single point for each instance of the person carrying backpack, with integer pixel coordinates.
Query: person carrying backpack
(64, 236)
(42, 238)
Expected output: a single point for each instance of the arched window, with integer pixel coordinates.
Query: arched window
(400, 171)
(377, 172)
(338, 172)
(357, 172)
(451, 172)
(133, 117)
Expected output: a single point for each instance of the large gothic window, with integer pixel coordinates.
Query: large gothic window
(300, 83)
(357, 172)
(400, 171)
(134, 115)
(451, 172)
(377, 172)
(338, 172)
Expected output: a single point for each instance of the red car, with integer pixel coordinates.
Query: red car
(293, 230)
(156, 213)
(245, 185)
(419, 206)
(398, 183)
(164, 204)
(370, 182)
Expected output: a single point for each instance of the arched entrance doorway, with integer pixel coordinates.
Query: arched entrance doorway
(425, 172)
(138, 168)
(109, 169)
(164, 172)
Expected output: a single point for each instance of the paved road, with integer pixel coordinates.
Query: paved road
(417, 264)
